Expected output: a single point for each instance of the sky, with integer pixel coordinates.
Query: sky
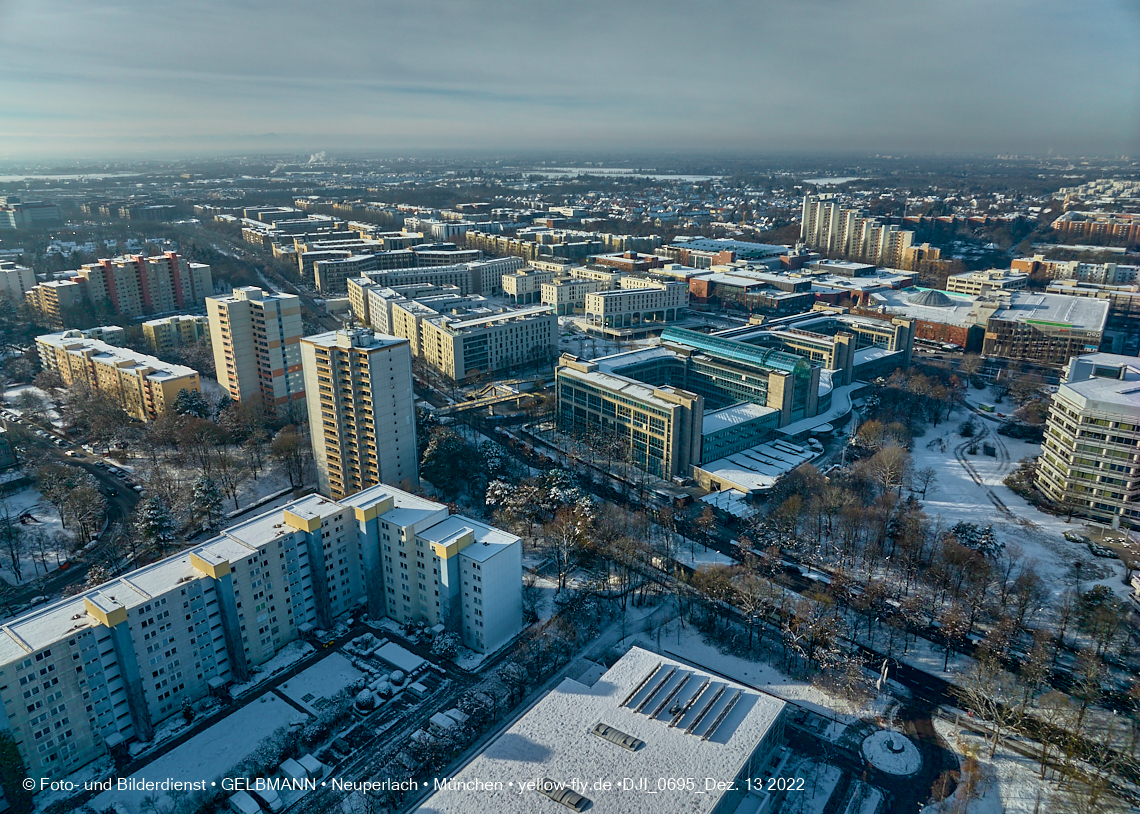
(151, 78)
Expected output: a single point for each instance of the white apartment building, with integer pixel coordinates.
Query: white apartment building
(90, 672)
(256, 340)
(525, 287)
(361, 414)
(567, 295)
(639, 301)
(1090, 459)
(15, 280)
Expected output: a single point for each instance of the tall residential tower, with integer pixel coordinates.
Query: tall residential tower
(256, 338)
(361, 413)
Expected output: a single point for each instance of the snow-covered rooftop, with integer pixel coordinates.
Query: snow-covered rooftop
(718, 420)
(757, 468)
(555, 740)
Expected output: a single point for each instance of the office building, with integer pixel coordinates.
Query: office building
(704, 252)
(982, 282)
(1122, 328)
(484, 341)
(256, 340)
(165, 334)
(567, 295)
(1090, 459)
(1043, 329)
(524, 287)
(638, 306)
(145, 387)
(91, 672)
(647, 718)
(16, 214)
(657, 400)
(361, 414)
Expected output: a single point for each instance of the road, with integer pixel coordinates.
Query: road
(121, 502)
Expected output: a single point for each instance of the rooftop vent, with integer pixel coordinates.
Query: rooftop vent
(623, 740)
(560, 794)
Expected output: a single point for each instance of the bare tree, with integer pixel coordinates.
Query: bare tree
(12, 539)
(924, 479)
(994, 696)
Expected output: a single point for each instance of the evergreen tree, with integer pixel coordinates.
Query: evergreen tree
(208, 497)
(154, 523)
(12, 774)
(192, 402)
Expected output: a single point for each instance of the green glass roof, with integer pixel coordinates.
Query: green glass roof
(768, 358)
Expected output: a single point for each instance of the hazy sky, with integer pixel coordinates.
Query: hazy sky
(89, 78)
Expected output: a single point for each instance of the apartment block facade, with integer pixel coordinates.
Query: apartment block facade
(89, 673)
(165, 334)
(144, 386)
(1090, 459)
(256, 340)
(361, 413)
(131, 286)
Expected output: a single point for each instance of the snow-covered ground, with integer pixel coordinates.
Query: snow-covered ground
(12, 396)
(313, 687)
(1010, 782)
(282, 660)
(208, 755)
(42, 517)
(967, 492)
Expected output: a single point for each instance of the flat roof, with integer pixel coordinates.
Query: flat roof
(758, 468)
(618, 384)
(555, 740)
(489, 541)
(733, 416)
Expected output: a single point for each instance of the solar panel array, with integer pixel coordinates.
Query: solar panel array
(684, 699)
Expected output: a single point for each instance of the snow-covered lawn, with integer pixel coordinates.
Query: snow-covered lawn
(312, 688)
(12, 397)
(208, 755)
(957, 496)
(41, 516)
(1009, 785)
(282, 660)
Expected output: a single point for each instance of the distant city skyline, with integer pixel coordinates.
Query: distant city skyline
(127, 78)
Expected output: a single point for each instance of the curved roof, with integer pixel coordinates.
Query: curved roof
(931, 299)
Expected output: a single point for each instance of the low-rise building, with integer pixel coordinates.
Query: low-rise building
(643, 719)
(1090, 459)
(1122, 328)
(1043, 329)
(145, 387)
(981, 282)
